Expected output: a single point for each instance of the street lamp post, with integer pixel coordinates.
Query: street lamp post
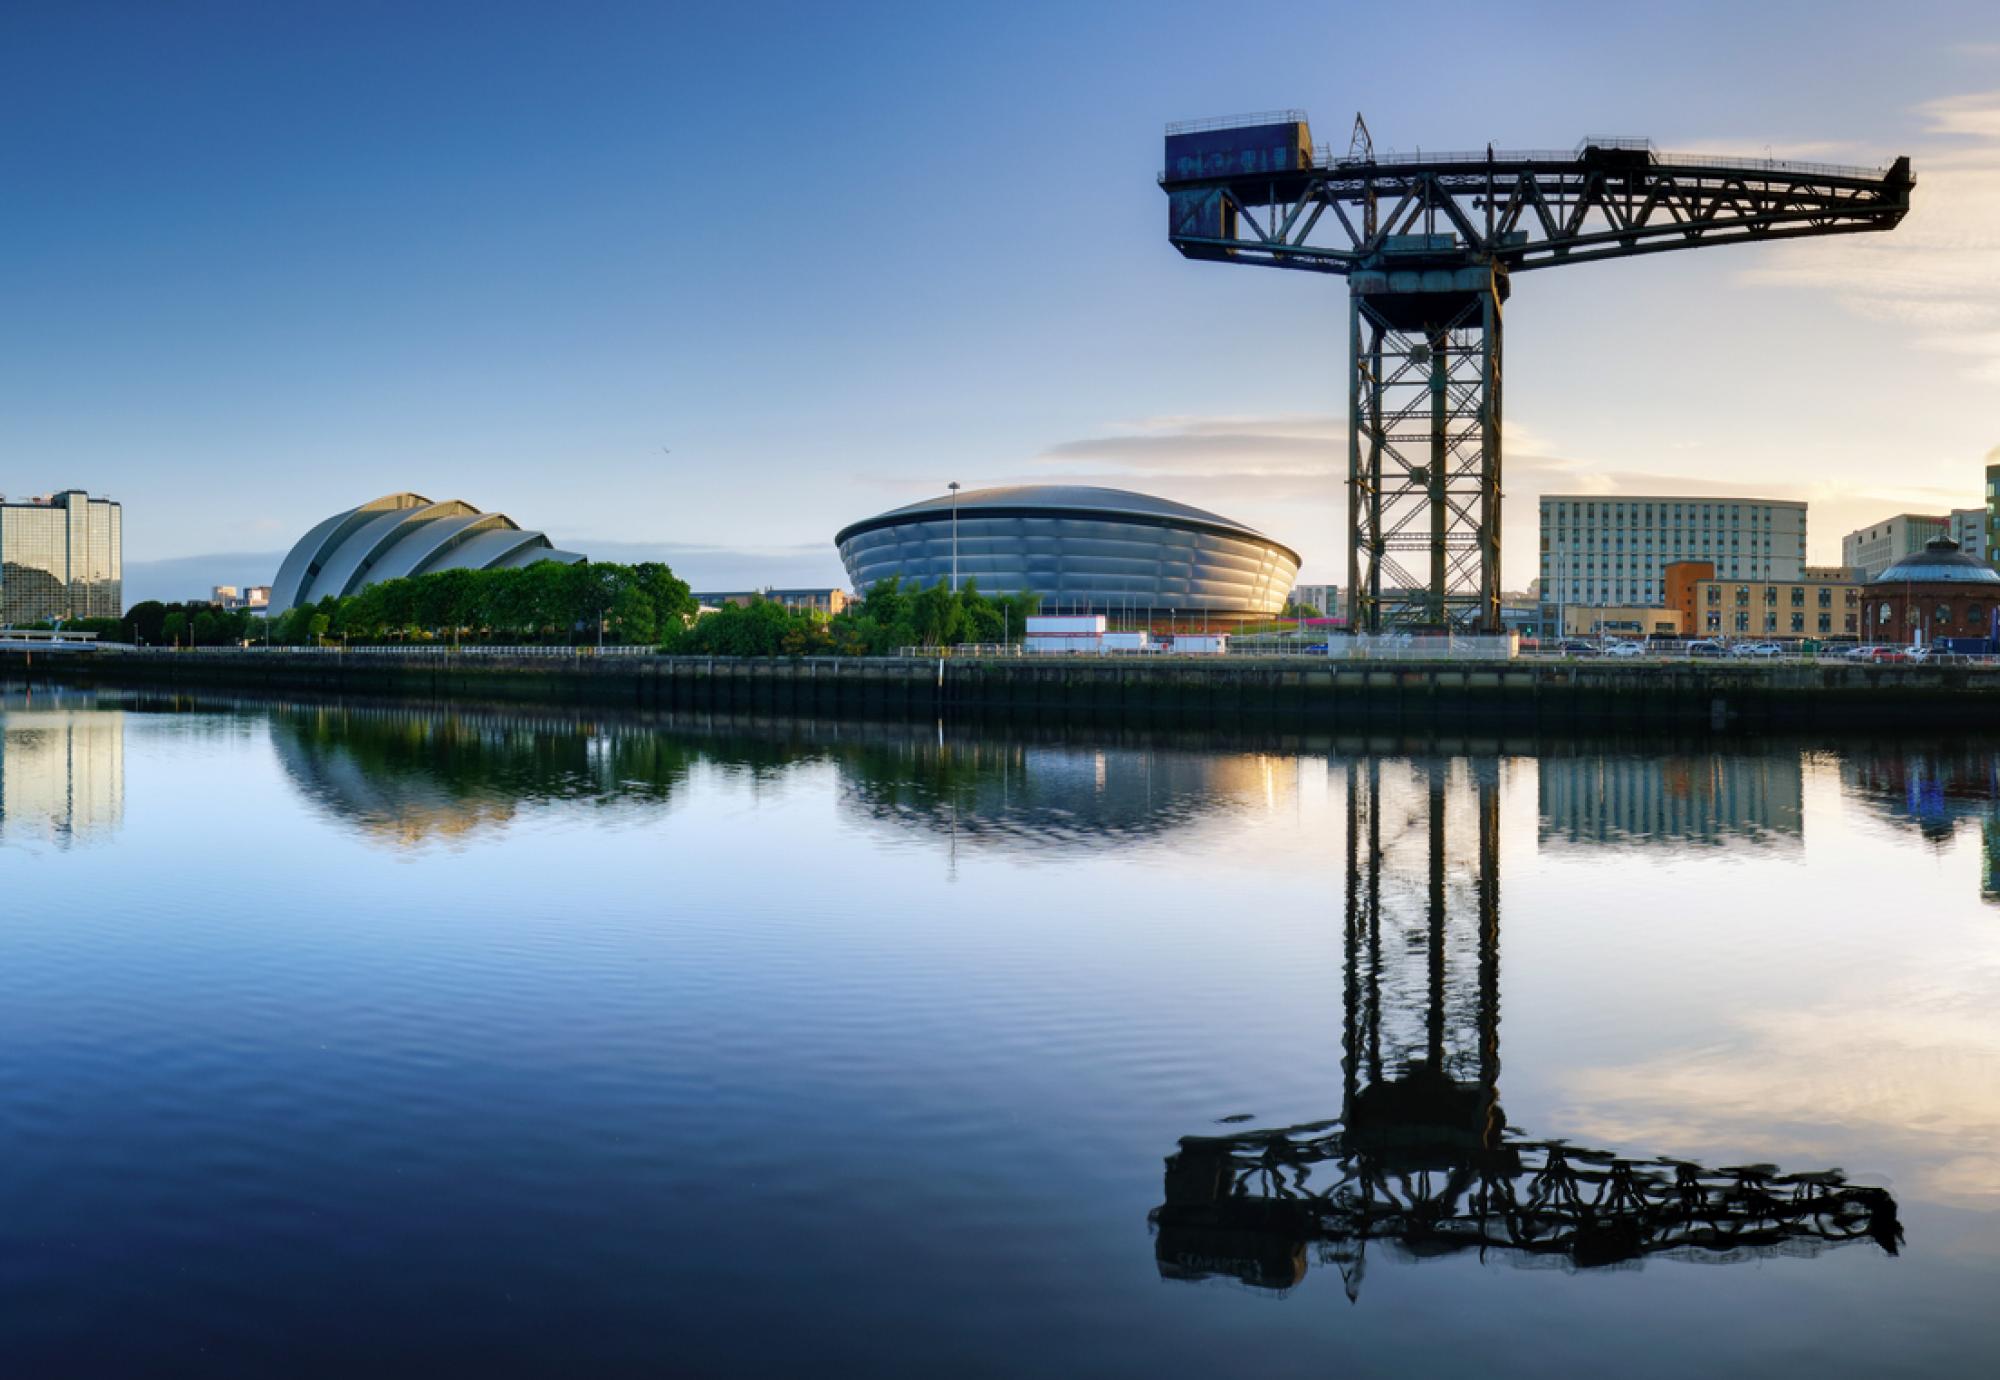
(953, 486)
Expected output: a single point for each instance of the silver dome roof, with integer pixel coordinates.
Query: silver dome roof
(1939, 563)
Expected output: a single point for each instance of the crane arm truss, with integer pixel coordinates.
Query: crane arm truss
(1523, 211)
(1237, 1202)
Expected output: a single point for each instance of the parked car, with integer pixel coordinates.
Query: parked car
(1883, 654)
(1707, 646)
(1756, 649)
(1625, 649)
(1573, 647)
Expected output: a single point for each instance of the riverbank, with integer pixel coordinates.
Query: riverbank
(1545, 694)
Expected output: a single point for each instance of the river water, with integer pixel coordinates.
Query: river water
(376, 1040)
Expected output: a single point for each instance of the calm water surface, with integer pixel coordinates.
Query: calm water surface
(378, 1041)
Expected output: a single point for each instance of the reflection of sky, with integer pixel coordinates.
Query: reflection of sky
(743, 1012)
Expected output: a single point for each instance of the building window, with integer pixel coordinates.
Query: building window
(1944, 613)
(1798, 622)
(1798, 596)
(1743, 622)
(1826, 622)
(1742, 595)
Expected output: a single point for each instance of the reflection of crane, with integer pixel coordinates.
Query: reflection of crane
(1428, 244)
(1420, 1160)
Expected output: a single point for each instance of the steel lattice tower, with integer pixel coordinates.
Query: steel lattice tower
(1429, 244)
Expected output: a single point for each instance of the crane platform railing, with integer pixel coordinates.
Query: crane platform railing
(1326, 159)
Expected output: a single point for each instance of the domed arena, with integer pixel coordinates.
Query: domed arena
(1082, 549)
(400, 535)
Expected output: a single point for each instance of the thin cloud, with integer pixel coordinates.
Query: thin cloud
(1939, 271)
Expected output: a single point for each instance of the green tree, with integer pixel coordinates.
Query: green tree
(174, 628)
(146, 622)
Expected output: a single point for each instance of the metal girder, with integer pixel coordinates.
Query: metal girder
(1421, 1159)
(1423, 508)
(1424, 457)
(1527, 211)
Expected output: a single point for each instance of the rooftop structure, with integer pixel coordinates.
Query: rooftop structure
(400, 535)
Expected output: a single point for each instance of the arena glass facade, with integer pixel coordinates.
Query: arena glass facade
(61, 557)
(1085, 550)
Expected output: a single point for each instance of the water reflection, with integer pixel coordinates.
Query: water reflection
(406, 777)
(62, 770)
(1597, 799)
(1933, 790)
(1051, 797)
(1421, 1162)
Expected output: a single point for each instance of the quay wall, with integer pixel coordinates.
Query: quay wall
(1323, 694)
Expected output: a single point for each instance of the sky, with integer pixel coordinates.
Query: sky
(713, 281)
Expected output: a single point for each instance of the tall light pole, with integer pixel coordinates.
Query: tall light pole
(953, 486)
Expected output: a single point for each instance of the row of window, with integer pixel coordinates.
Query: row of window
(1798, 599)
(1796, 623)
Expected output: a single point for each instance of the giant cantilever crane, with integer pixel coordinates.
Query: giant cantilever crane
(1428, 244)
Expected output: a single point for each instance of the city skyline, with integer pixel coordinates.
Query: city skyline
(762, 276)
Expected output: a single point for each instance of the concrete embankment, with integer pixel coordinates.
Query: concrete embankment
(1323, 694)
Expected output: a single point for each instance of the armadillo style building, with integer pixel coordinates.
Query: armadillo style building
(1083, 550)
(400, 535)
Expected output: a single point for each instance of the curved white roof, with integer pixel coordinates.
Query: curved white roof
(400, 535)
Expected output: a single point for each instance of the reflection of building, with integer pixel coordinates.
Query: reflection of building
(1824, 602)
(401, 535)
(62, 775)
(1054, 798)
(61, 556)
(1083, 550)
(1597, 799)
(404, 777)
(1421, 1163)
(1933, 791)
(1614, 552)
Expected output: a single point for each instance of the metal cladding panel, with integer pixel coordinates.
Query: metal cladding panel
(1093, 560)
(429, 549)
(1283, 146)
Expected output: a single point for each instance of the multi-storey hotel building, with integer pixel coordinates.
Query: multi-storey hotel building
(61, 556)
(1613, 551)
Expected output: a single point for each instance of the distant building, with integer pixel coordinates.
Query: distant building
(1874, 548)
(61, 556)
(1613, 552)
(1611, 620)
(233, 597)
(1826, 602)
(1993, 514)
(1324, 598)
(828, 601)
(1968, 529)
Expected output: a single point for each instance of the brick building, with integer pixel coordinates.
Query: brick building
(1934, 593)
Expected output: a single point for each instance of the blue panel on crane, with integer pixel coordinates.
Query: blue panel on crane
(1244, 150)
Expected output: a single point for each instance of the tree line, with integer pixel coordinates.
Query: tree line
(889, 617)
(644, 604)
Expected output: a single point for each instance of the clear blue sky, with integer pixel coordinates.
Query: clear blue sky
(260, 262)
